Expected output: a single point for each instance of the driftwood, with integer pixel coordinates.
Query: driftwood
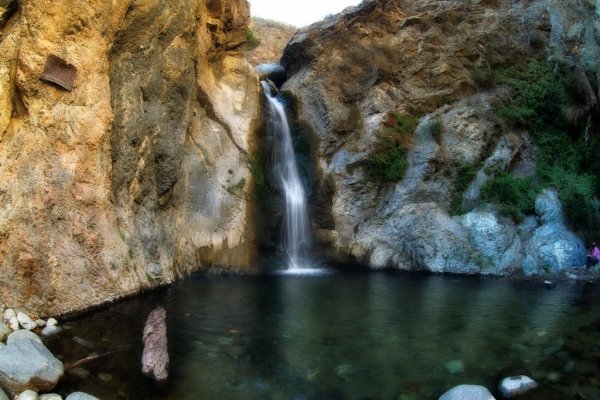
(89, 359)
(155, 358)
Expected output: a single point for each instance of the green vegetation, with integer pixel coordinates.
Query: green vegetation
(259, 175)
(435, 127)
(465, 173)
(387, 162)
(514, 196)
(252, 41)
(541, 94)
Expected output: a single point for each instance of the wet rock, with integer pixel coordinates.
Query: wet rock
(104, 377)
(51, 330)
(81, 396)
(467, 392)
(516, 385)
(155, 357)
(50, 396)
(51, 322)
(28, 364)
(28, 395)
(40, 323)
(344, 371)
(79, 372)
(22, 334)
(454, 367)
(83, 342)
(274, 72)
(4, 331)
(25, 321)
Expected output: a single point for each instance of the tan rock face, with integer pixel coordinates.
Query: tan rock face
(122, 183)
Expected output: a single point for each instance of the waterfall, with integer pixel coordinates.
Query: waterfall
(295, 225)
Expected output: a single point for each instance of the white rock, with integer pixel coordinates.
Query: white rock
(22, 334)
(468, 392)
(40, 322)
(28, 395)
(51, 330)
(51, 322)
(516, 385)
(13, 323)
(9, 313)
(50, 396)
(25, 321)
(81, 396)
(4, 331)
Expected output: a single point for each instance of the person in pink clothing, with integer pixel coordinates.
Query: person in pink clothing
(593, 258)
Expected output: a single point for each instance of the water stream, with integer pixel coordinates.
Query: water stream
(295, 226)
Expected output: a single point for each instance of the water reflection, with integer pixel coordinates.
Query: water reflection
(343, 336)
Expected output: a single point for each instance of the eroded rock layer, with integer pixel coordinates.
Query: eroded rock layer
(139, 174)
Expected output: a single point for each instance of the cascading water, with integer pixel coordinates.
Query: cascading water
(296, 233)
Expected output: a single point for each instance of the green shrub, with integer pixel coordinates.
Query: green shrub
(252, 41)
(514, 197)
(387, 161)
(435, 127)
(388, 165)
(259, 175)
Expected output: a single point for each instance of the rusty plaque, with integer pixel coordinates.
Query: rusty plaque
(59, 72)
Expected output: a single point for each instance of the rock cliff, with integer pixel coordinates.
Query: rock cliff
(375, 65)
(139, 174)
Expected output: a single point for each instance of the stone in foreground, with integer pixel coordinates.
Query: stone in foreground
(28, 395)
(81, 396)
(28, 364)
(3, 395)
(516, 385)
(467, 392)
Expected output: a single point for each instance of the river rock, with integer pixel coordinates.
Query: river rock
(9, 313)
(81, 396)
(51, 322)
(22, 334)
(27, 364)
(50, 396)
(83, 342)
(51, 330)
(40, 323)
(79, 372)
(25, 321)
(468, 392)
(28, 395)
(4, 331)
(155, 356)
(516, 385)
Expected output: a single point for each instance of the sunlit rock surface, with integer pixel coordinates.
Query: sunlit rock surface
(124, 182)
(349, 73)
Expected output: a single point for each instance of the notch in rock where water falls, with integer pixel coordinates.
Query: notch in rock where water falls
(295, 232)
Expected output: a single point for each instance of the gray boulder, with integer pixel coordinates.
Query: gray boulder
(22, 334)
(3, 395)
(467, 392)
(516, 385)
(81, 396)
(28, 364)
(274, 72)
(548, 207)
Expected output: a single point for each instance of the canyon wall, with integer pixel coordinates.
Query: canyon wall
(354, 75)
(140, 173)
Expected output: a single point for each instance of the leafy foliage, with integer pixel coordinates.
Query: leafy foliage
(539, 94)
(387, 161)
(252, 41)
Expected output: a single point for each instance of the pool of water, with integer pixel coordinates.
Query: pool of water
(342, 336)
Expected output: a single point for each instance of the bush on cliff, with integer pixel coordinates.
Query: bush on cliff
(540, 95)
(387, 162)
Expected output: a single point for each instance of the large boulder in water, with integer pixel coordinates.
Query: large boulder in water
(274, 72)
(28, 364)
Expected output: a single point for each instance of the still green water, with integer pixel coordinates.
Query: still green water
(343, 336)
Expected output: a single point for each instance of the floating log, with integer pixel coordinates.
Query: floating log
(59, 72)
(155, 358)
